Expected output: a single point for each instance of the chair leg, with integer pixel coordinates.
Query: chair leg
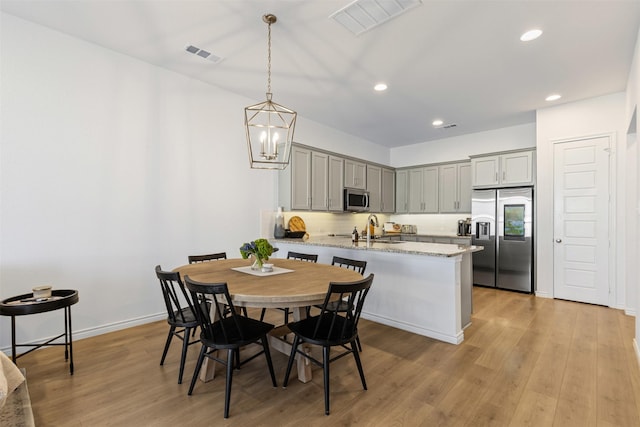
(292, 357)
(264, 310)
(359, 364)
(196, 372)
(267, 354)
(286, 315)
(166, 345)
(325, 368)
(185, 346)
(227, 390)
(359, 345)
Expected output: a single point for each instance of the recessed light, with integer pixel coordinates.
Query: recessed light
(531, 35)
(380, 87)
(437, 122)
(553, 97)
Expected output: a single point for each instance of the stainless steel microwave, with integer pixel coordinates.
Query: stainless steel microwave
(356, 200)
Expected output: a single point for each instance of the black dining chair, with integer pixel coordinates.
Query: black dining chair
(300, 257)
(229, 331)
(195, 259)
(180, 314)
(332, 328)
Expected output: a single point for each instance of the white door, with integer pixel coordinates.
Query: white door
(581, 220)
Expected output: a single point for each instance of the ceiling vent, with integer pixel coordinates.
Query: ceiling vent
(203, 54)
(363, 15)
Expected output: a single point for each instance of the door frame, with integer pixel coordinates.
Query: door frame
(613, 239)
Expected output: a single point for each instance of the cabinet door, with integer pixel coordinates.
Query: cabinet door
(430, 189)
(517, 168)
(319, 181)
(485, 171)
(414, 199)
(355, 174)
(449, 188)
(464, 187)
(402, 191)
(336, 184)
(374, 187)
(388, 187)
(300, 178)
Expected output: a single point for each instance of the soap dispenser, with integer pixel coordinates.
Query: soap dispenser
(354, 235)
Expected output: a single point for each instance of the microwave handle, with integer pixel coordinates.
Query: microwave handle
(366, 200)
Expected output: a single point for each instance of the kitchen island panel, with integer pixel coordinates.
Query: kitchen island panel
(423, 294)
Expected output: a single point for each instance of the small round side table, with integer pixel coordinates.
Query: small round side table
(25, 304)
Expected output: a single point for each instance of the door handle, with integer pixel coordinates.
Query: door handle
(558, 240)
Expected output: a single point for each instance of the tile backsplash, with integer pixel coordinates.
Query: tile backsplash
(322, 224)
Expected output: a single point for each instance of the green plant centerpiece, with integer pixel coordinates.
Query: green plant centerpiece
(260, 249)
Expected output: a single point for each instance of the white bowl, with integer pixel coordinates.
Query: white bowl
(266, 268)
(42, 291)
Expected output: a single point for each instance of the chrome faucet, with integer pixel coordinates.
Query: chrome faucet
(369, 222)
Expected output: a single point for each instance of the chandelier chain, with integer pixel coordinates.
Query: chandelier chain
(269, 60)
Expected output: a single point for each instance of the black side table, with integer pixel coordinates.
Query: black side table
(25, 304)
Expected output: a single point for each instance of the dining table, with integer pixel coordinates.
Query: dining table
(292, 284)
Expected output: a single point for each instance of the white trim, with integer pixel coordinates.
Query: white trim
(612, 205)
(103, 329)
(416, 329)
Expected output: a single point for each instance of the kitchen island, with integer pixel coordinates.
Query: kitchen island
(424, 288)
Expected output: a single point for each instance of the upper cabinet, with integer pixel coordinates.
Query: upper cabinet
(402, 191)
(355, 174)
(294, 182)
(336, 184)
(381, 187)
(423, 190)
(319, 181)
(504, 170)
(388, 191)
(455, 187)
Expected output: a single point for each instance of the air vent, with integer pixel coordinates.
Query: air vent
(203, 54)
(363, 15)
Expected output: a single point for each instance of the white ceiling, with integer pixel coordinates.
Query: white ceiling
(461, 61)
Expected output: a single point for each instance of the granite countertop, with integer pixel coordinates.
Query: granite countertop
(413, 248)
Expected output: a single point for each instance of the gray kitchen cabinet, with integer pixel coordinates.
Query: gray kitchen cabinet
(388, 187)
(381, 186)
(503, 169)
(319, 181)
(294, 182)
(455, 187)
(374, 187)
(423, 190)
(355, 174)
(402, 191)
(336, 184)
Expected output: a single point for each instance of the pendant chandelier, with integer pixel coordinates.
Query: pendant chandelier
(269, 126)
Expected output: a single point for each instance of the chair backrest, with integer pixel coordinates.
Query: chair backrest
(204, 258)
(342, 325)
(207, 295)
(302, 257)
(351, 264)
(172, 290)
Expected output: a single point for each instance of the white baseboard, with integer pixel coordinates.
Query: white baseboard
(416, 329)
(102, 329)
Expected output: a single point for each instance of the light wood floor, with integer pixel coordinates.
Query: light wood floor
(525, 361)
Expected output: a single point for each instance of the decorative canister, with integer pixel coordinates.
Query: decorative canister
(278, 229)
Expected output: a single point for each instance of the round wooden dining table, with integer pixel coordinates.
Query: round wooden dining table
(293, 284)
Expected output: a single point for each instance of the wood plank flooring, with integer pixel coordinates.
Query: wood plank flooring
(525, 361)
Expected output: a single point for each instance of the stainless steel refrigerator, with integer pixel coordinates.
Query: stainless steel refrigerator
(502, 222)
